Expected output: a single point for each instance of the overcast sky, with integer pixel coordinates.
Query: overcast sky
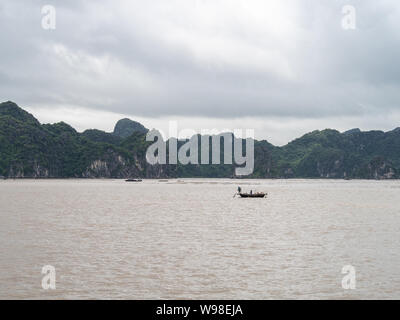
(280, 67)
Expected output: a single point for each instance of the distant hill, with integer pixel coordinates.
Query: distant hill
(31, 149)
(101, 136)
(126, 127)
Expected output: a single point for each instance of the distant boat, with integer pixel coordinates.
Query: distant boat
(253, 195)
(133, 180)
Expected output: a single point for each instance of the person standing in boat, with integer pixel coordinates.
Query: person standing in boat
(251, 191)
(239, 189)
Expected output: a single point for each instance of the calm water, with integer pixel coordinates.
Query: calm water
(191, 239)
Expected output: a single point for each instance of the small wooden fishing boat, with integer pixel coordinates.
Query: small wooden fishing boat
(133, 180)
(253, 195)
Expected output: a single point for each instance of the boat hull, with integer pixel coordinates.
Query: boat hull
(254, 195)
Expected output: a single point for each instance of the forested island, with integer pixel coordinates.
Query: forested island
(29, 149)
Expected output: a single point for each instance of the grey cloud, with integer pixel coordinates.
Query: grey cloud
(154, 62)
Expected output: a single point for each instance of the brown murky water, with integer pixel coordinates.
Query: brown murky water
(191, 239)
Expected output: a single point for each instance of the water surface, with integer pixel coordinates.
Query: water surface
(190, 239)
